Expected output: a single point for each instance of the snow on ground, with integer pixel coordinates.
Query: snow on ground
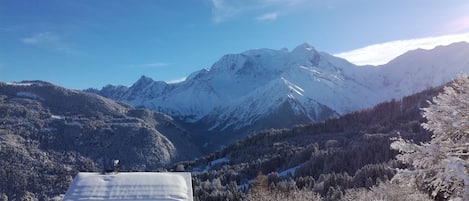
(137, 124)
(131, 186)
(216, 162)
(289, 171)
(219, 161)
(56, 117)
(29, 95)
(18, 84)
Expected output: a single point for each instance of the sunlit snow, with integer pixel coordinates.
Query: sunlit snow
(29, 95)
(379, 54)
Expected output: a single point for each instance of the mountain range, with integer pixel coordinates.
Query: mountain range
(49, 133)
(264, 88)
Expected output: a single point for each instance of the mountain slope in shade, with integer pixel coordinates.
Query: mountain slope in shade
(48, 133)
(266, 88)
(63, 120)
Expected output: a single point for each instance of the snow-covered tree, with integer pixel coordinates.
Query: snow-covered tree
(442, 164)
(284, 191)
(385, 191)
(260, 189)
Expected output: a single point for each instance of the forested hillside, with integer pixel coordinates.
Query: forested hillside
(325, 158)
(346, 158)
(48, 134)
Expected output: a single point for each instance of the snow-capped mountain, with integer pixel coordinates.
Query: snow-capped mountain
(266, 88)
(420, 69)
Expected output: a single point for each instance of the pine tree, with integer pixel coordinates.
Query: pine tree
(260, 189)
(442, 164)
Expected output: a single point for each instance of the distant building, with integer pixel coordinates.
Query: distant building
(154, 186)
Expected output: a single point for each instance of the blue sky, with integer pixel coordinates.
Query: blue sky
(90, 43)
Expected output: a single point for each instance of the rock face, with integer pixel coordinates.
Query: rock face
(48, 133)
(263, 88)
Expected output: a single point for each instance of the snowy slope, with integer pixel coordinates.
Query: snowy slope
(307, 87)
(239, 79)
(265, 86)
(420, 69)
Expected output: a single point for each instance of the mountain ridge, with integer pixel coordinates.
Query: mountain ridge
(49, 133)
(241, 89)
(84, 119)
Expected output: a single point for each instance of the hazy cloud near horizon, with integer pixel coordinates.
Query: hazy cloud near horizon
(382, 53)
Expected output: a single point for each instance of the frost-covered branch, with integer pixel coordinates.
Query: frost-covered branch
(442, 164)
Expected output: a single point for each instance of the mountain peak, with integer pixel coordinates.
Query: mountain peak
(143, 80)
(304, 47)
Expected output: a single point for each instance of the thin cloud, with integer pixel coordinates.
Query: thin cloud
(221, 11)
(156, 64)
(150, 65)
(224, 10)
(383, 53)
(41, 38)
(268, 17)
(49, 40)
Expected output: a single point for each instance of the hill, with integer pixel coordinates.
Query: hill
(49, 133)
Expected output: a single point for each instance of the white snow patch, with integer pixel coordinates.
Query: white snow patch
(29, 95)
(219, 161)
(312, 70)
(290, 171)
(124, 124)
(56, 117)
(18, 84)
(216, 162)
(293, 87)
(25, 83)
